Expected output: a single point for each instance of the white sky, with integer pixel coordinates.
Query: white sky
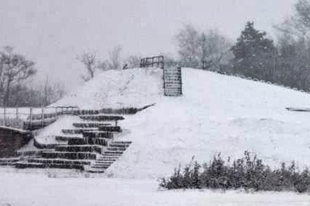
(54, 32)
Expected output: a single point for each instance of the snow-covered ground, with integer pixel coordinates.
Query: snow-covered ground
(117, 89)
(22, 189)
(216, 114)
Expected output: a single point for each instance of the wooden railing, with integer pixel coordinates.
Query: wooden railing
(155, 61)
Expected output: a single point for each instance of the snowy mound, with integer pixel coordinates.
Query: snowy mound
(116, 89)
(217, 114)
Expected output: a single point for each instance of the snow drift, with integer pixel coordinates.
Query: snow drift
(216, 114)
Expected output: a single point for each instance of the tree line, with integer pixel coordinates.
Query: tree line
(254, 55)
(284, 61)
(16, 73)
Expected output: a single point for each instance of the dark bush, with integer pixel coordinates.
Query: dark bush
(248, 173)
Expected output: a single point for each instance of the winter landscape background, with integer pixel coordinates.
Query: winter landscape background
(244, 63)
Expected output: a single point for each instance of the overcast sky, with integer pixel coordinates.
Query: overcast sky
(54, 32)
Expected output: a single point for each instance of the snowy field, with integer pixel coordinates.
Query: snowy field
(22, 189)
(216, 114)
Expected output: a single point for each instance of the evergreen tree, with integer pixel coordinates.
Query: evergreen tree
(254, 54)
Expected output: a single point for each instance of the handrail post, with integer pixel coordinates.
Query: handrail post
(30, 122)
(4, 116)
(42, 116)
(17, 113)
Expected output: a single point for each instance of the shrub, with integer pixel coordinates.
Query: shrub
(249, 173)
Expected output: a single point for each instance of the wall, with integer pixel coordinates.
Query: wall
(12, 139)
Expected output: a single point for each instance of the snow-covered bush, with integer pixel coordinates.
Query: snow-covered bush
(247, 173)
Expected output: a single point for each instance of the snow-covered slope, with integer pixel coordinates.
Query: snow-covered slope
(217, 113)
(116, 89)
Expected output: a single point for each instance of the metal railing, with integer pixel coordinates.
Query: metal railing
(19, 116)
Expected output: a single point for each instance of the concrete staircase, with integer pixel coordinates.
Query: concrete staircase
(113, 152)
(89, 146)
(173, 81)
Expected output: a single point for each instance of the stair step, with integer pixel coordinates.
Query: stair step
(94, 170)
(101, 167)
(66, 138)
(122, 142)
(8, 161)
(114, 144)
(113, 152)
(69, 155)
(102, 164)
(28, 153)
(90, 125)
(107, 160)
(87, 112)
(96, 134)
(89, 141)
(116, 148)
(79, 148)
(110, 129)
(23, 165)
(59, 161)
(78, 131)
(101, 117)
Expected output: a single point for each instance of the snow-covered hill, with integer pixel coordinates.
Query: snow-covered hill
(117, 89)
(217, 113)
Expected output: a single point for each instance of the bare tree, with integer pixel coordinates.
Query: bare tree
(90, 62)
(14, 70)
(115, 58)
(294, 47)
(298, 24)
(51, 92)
(204, 50)
(187, 41)
(133, 61)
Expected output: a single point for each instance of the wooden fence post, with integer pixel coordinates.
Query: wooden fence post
(17, 113)
(42, 116)
(4, 116)
(30, 115)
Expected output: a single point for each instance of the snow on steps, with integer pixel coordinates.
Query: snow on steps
(101, 118)
(90, 124)
(78, 131)
(74, 152)
(114, 151)
(8, 161)
(173, 81)
(98, 134)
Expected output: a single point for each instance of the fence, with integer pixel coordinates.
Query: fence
(21, 117)
(155, 61)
